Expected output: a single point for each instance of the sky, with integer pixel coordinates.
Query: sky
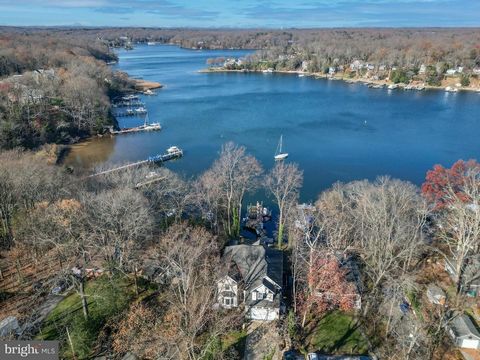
(242, 13)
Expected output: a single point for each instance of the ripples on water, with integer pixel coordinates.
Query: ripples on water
(334, 130)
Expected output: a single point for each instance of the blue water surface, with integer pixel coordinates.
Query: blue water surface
(335, 131)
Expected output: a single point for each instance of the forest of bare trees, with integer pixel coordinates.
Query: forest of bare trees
(54, 88)
(324, 47)
(388, 228)
(143, 258)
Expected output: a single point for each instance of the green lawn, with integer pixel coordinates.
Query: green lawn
(235, 339)
(107, 297)
(336, 333)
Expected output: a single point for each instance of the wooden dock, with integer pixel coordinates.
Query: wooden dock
(151, 127)
(257, 215)
(131, 112)
(128, 104)
(172, 153)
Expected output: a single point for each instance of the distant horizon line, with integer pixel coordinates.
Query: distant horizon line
(89, 27)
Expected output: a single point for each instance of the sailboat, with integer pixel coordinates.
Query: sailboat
(147, 126)
(279, 155)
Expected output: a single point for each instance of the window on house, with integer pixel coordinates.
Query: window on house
(227, 301)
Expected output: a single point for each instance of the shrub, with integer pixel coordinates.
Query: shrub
(465, 80)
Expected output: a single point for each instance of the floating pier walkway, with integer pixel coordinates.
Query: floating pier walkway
(173, 152)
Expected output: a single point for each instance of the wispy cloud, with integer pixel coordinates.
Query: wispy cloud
(164, 8)
(250, 13)
(368, 13)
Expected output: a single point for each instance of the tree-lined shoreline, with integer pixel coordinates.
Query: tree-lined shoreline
(130, 260)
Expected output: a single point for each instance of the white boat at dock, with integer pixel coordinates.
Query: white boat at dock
(279, 155)
(128, 103)
(301, 75)
(451, 89)
(151, 43)
(130, 97)
(140, 110)
(268, 71)
(145, 127)
(149, 92)
(392, 86)
(174, 151)
(151, 127)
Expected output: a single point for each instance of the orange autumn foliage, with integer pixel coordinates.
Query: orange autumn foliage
(440, 182)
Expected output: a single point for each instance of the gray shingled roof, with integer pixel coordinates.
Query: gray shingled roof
(462, 326)
(255, 263)
(434, 290)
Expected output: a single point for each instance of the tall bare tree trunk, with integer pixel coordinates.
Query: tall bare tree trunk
(280, 227)
(83, 299)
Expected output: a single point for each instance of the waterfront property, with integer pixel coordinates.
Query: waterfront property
(334, 130)
(254, 277)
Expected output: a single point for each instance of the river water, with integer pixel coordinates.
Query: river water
(335, 131)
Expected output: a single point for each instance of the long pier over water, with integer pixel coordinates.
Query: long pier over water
(172, 153)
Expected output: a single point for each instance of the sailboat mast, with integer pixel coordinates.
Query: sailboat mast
(279, 155)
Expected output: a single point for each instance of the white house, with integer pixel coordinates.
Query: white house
(305, 65)
(464, 333)
(423, 69)
(227, 292)
(254, 279)
(356, 65)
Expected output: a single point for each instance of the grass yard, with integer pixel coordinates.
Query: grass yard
(235, 339)
(107, 297)
(336, 333)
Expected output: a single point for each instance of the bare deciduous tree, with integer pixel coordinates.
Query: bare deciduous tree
(119, 222)
(189, 258)
(284, 182)
(230, 178)
(459, 222)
